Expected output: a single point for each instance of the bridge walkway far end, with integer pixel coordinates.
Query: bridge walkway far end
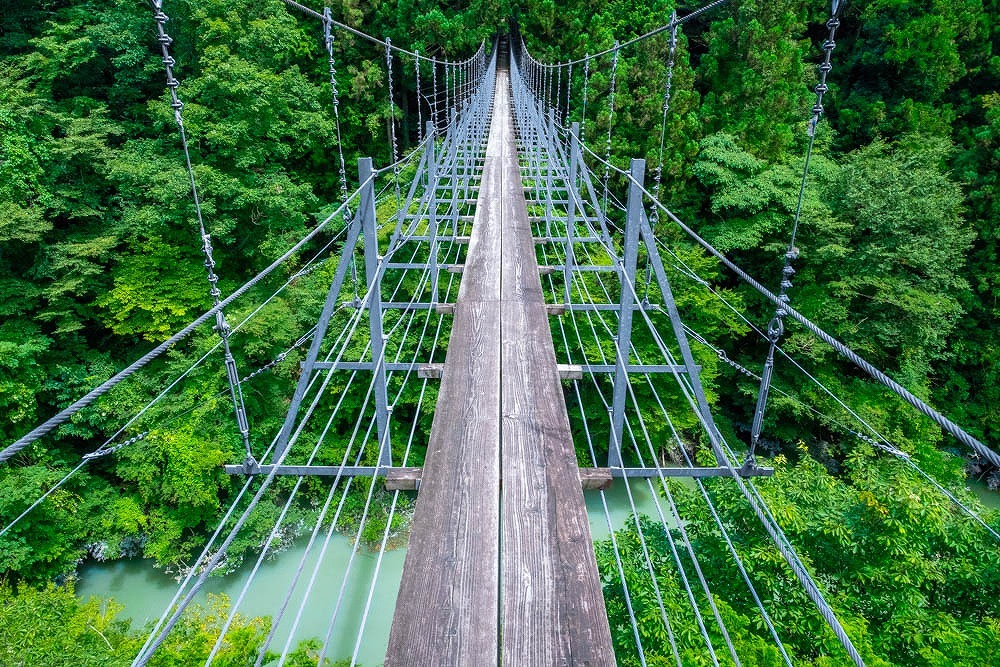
(500, 567)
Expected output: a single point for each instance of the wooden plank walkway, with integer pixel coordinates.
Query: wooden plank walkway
(551, 600)
(500, 574)
(447, 610)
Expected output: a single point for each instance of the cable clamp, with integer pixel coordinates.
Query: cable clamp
(250, 466)
(776, 327)
(749, 467)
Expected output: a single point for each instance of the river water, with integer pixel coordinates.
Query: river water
(990, 499)
(145, 591)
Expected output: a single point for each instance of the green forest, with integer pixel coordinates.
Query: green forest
(100, 260)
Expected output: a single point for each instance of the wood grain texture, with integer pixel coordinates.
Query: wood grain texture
(404, 479)
(436, 371)
(591, 479)
(552, 606)
(447, 607)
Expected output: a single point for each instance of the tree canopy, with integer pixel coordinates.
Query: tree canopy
(100, 259)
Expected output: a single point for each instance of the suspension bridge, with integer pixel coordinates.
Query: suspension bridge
(506, 280)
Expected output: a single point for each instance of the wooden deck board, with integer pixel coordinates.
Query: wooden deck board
(488, 560)
(447, 607)
(552, 606)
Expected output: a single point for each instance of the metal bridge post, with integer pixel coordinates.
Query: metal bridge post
(453, 161)
(571, 193)
(464, 160)
(626, 273)
(366, 211)
(548, 172)
(432, 225)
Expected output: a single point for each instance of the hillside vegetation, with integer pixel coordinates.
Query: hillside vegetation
(100, 259)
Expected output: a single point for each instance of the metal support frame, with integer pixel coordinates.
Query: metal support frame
(626, 273)
(571, 177)
(418, 367)
(308, 366)
(692, 370)
(432, 225)
(423, 238)
(362, 222)
(632, 473)
(696, 472)
(562, 307)
(548, 179)
(452, 166)
(537, 126)
(637, 223)
(366, 211)
(544, 268)
(449, 164)
(453, 160)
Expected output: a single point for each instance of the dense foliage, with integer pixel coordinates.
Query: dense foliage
(100, 259)
(51, 626)
(913, 581)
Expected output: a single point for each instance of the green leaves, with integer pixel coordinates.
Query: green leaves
(50, 626)
(754, 66)
(908, 242)
(21, 376)
(150, 297)
(886, 548)
(50, 540)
